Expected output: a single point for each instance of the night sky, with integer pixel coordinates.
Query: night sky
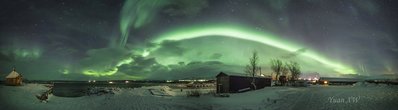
(182, 39)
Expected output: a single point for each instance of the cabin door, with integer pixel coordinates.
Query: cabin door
(220, 88)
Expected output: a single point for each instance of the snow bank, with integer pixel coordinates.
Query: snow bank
(11, 97)
(101, 90)
(146, 91)
(133, 98)
(366, 84)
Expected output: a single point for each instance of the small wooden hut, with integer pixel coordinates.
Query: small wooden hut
(14, 78)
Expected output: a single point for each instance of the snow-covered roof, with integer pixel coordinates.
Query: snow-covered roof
(13, 74)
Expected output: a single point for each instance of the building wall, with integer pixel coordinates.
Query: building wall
(238, 83)
(263, 82)
(14, 81)
(223, 84)
(235, 84)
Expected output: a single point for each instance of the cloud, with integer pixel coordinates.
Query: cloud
(65, 51)
(6, 57)
(195, 69)
(40, 69)
(104, 61)
(216, 56)
(170, 48)
(151, 69)
(21, 53)
(142, 67)
(395, 50)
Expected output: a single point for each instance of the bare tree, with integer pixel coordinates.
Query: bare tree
(285, 70)
(285, 73)
(253, 67)
(276, 66)
(294, 68)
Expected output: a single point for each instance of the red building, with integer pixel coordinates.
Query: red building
(14, 78)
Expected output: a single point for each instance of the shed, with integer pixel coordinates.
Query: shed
(14, 78)
(235, 84)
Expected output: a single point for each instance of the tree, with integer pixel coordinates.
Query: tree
(294, 68)
(285, 73)
(276, 66)
(253, 67)
(285, 70)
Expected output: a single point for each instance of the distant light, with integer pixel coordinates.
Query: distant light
(325, 82)
(313, 81)
(186, 80)
(202, 80)
(126, 81)
(110, 82)
(262, 75)
(169, 81)
(93, 81)
(89, 81)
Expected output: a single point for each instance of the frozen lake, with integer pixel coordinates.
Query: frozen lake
(77, 89)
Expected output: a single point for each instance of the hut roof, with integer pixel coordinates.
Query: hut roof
(13, 74)
(221, 74)
(236, 75)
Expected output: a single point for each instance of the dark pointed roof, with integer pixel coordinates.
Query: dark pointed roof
(221, 74)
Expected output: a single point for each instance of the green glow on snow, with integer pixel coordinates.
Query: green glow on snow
(236, 31)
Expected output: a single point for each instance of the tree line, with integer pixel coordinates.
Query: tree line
(279, 67)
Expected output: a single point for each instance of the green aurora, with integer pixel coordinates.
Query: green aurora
(229, 31)
(177, 39)
(240, 32)
(136, 13)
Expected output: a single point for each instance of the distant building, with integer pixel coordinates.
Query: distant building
(14, 78)
(337, 81)
(309, 76)
(233, 84)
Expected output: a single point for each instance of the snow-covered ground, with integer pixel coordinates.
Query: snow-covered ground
(371, 96)
(356, 97)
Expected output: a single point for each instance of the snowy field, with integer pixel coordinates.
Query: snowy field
(360, 96)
